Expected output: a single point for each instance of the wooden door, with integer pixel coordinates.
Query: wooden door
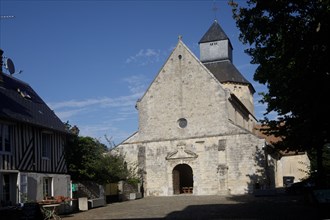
(176, 182)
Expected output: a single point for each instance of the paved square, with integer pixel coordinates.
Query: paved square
(206, 207)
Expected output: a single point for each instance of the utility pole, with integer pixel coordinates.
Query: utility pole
(1, 62)
(1, 51)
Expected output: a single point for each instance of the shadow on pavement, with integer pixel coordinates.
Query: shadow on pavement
(212, 207)
(275, 207)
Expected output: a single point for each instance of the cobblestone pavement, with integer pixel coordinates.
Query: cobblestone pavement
(207, 207)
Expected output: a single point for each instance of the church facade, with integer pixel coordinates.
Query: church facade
(196, 124)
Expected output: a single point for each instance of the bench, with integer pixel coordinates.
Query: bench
(187, 190)
(93, 203)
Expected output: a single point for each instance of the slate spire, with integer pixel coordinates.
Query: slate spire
(214, 33)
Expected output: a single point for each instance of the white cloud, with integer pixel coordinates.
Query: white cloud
(137, 83)
(65, 115)
(99, 131)
(145, 56)
(101, 116)
(98, 102)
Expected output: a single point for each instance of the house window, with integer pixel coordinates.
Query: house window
(46, 145)
(47, 187)
(5, 143)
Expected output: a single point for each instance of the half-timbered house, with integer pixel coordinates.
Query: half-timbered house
(32, 141)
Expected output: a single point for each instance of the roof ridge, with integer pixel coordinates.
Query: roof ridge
(14, 78)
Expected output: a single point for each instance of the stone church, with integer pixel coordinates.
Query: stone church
(196, 124)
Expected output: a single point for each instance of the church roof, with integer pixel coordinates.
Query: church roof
(215, 33)
(19, 102)
(225, 72)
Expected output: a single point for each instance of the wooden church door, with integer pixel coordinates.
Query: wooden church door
(176, 181)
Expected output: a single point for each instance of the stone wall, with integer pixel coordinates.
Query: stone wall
(126, 190)
(221, 151)
(243, 93)
(88, 189)
(182, 90)
(220, 164)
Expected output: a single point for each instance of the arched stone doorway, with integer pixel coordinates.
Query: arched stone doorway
(182, 179)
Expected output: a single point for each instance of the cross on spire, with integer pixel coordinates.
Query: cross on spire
(215, 9)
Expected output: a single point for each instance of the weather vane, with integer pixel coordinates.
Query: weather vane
(215, 9)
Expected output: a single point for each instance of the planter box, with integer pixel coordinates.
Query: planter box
(132, 196)
(83, 204)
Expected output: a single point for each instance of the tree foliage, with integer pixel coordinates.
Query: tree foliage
(88, 159)
(289, 42)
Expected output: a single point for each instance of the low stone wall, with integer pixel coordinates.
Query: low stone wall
(92, 193)
(128, 191)
(88, 189)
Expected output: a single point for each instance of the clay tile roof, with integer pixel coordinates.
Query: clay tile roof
(271, 139)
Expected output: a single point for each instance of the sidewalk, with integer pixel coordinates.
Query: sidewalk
(205, 207)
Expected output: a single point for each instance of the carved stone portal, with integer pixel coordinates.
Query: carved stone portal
(181, 153)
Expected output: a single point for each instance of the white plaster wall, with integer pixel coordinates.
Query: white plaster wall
(295, 165)
(60, 186)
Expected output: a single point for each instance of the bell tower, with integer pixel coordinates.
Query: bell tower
(216, 53)
(215, 45)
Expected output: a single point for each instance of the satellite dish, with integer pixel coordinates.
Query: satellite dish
(10, 66)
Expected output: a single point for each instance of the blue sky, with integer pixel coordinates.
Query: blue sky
(91, 60)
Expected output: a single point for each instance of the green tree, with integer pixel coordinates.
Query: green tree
(289, 42)
(83, 155)
(88, 159)
(113, 168)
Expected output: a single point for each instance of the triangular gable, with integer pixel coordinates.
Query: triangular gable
(180, 43)
(150, 119)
